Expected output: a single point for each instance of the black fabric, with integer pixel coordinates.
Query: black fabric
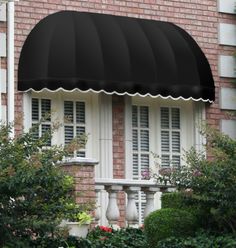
(72, 49)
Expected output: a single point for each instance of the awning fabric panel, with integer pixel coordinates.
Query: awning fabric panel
(78, 50)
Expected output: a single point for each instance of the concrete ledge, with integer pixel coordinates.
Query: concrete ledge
(79, 161)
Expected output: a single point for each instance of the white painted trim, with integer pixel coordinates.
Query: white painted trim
(3, 80)
(228, 98)
(199, 119)
(3, 113)
(80, 161)
(3, 45)
(128, 137)
(227, 65)
(11, 64)
(105, 169)
(227, 34)
(227, 6)
(27, 110)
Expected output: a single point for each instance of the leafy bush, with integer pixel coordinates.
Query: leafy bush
(101, 237)
(212, 181)
(168, 222)
(173, 200)
(201, 240)
(34, 191)
(182, 200)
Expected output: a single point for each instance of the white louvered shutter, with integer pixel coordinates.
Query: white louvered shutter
(41, 112)
(170, 137)
(74, 118)
(140, 141)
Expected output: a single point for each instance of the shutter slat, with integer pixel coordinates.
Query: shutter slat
(135, 166)
(175, 116)
(135, 140)
(144, 117)
(144, 139)
(80, 112)
(165, 118)
(134, 116)
(175, 141)
(46, 109)
(175, 161)
(165, 160)
(68, 112)
(69, 134)
(35, 109)
(165, 141)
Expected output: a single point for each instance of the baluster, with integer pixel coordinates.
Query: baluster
(150, 192)
(113, 212)
(97, 215)
(131, 208)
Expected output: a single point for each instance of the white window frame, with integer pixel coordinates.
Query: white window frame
(191, 114)
(57, 108)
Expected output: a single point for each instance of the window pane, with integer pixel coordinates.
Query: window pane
(165, 141)
(68, 112)
(135, 140)
(35, 109)
(165, 118)
(69, 134)
(175, 115)
(46, 129)
(175, 161)
(135, 166)
(165, 160)
(80, 112)
(175, 142)
(144, 162)
(46, 109)
(134, 116)
(35, 131)
(144, 119)
(144, 138)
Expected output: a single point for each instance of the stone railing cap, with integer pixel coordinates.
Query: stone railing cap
(79, 161)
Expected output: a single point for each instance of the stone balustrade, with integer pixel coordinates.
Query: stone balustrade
(130, 187)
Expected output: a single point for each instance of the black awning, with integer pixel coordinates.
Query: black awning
(77, 50)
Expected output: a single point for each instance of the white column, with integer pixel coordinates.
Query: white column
(131, 209)
(105, 167)
(113, 212)
(98, 189)
(150, 192)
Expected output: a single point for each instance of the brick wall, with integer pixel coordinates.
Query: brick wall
(198, 17)
(84, 181)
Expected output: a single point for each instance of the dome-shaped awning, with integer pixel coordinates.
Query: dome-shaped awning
(114, 54)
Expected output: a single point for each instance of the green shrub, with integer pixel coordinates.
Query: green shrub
(184, 201)
(168, 222)
(212, 182)
(101, 237)
(201, 240)
(173, 200)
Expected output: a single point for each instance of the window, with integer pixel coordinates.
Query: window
(140, 137)
(170, 137)
(74, 118)
(41, 113)
(157, 129)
